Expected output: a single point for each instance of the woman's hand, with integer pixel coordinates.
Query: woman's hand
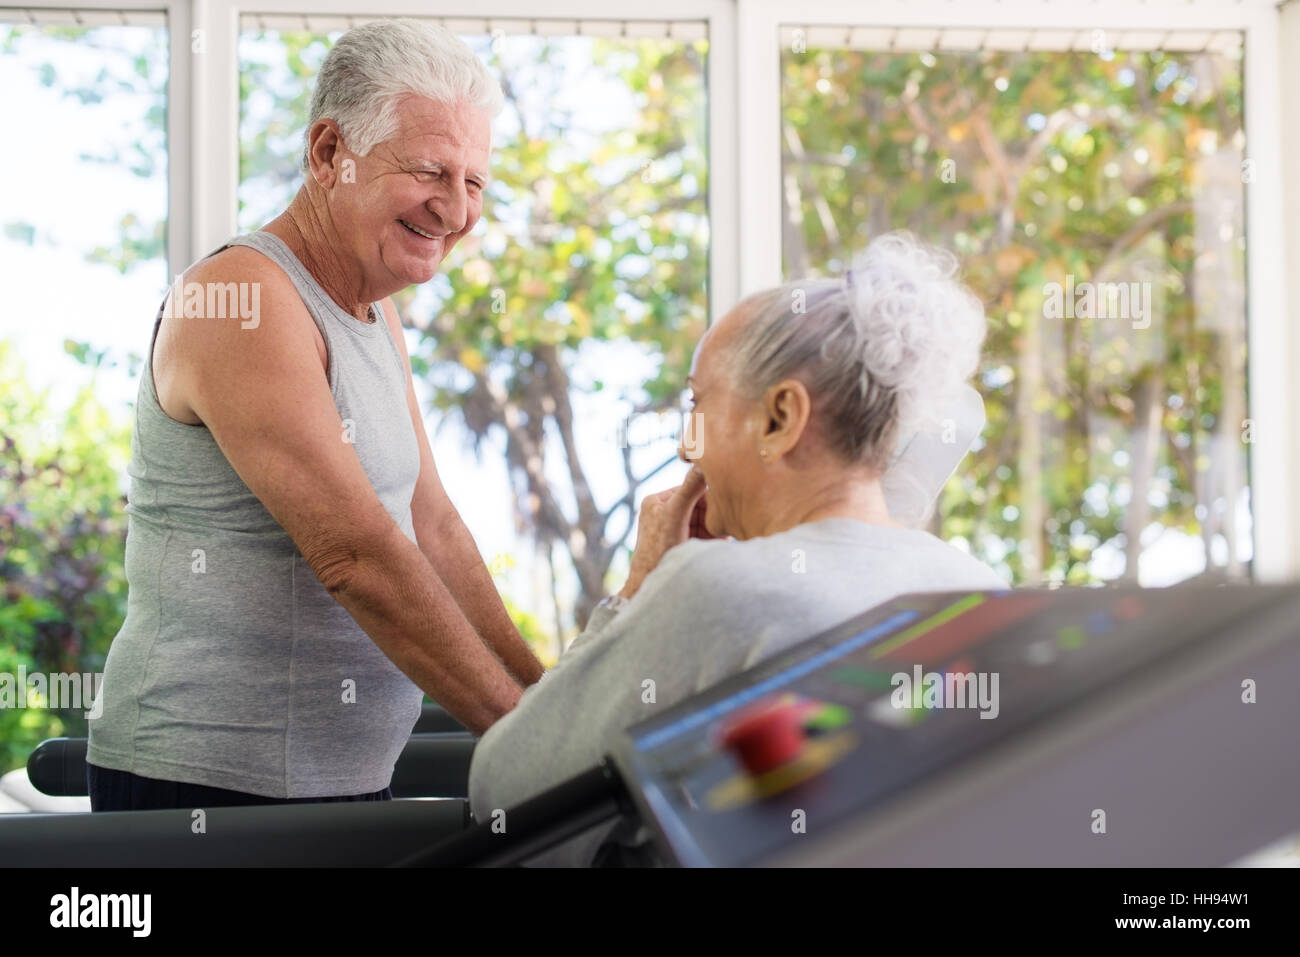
(667, 519)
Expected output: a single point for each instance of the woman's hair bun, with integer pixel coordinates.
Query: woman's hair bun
(883, 351)
(919, 328)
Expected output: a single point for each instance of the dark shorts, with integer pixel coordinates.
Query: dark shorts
(123, 791)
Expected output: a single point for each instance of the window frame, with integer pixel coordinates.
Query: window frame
(743, 85)
(1273, 342)
(216, 205)
(180, 175)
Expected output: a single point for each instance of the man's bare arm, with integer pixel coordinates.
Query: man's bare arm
(451, 550)
(455, 556)
(264, 396)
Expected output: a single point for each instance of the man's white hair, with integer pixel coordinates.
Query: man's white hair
(372, 67)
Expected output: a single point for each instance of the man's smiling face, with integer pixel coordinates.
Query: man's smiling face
(417, 194)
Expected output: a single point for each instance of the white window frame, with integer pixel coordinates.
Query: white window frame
(1273, 335)
(203, 139)
(215, 207)
(180, 176)
(744, 121)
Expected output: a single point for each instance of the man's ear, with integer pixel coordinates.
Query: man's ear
(324, 150)
(787, 407)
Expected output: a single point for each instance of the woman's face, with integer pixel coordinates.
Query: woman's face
(431, 176)
(722, 436)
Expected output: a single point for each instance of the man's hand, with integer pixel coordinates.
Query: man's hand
(667, 519)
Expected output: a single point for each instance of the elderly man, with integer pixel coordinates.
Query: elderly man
(298, 577)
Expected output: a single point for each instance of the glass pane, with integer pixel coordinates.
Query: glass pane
(1096, 204)
(573, 306)
(82, 224)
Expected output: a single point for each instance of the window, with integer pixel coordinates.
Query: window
(1095, 198)
(554, 343)
(82, 226)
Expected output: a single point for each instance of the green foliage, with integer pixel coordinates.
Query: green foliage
(530, 626)
(137, 243)
(533, 631)
(277, 70)
(62, 539)
(584, 245)
(593, 232)
(589, 275)
(1055, 163)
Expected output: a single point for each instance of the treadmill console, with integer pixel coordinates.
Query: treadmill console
(848, 721)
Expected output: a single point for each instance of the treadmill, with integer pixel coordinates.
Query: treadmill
(1125, 727)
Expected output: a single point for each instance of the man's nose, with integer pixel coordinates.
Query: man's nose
(452, 209)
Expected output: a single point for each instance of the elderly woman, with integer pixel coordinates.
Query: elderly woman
(298, 578)
(801, 393)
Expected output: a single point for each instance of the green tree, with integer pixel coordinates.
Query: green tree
(589, 276)
(591, 235)
(1032, 166)
(62, 538)
(580, 250)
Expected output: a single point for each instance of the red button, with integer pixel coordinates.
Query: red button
(766, 738)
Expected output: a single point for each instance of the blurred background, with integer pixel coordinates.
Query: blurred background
(550, 354)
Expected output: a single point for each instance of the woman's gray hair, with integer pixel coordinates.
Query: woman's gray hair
(880, 351)
(372, 67)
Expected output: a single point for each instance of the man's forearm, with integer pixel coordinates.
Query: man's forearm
(399, 600)
(455, 557)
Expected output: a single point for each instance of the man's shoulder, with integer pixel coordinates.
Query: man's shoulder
(238, 263)
(237, 280)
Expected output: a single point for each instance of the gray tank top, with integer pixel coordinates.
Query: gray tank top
(234, 667)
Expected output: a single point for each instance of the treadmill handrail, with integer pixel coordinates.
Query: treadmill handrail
(538, 824)
(430, 765)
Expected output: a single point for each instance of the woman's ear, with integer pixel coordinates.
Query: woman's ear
(787, 407)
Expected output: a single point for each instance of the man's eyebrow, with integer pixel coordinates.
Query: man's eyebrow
(437, 164)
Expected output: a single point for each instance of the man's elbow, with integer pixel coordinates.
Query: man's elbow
(338, 572)
(352, 555)
(340, 563)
